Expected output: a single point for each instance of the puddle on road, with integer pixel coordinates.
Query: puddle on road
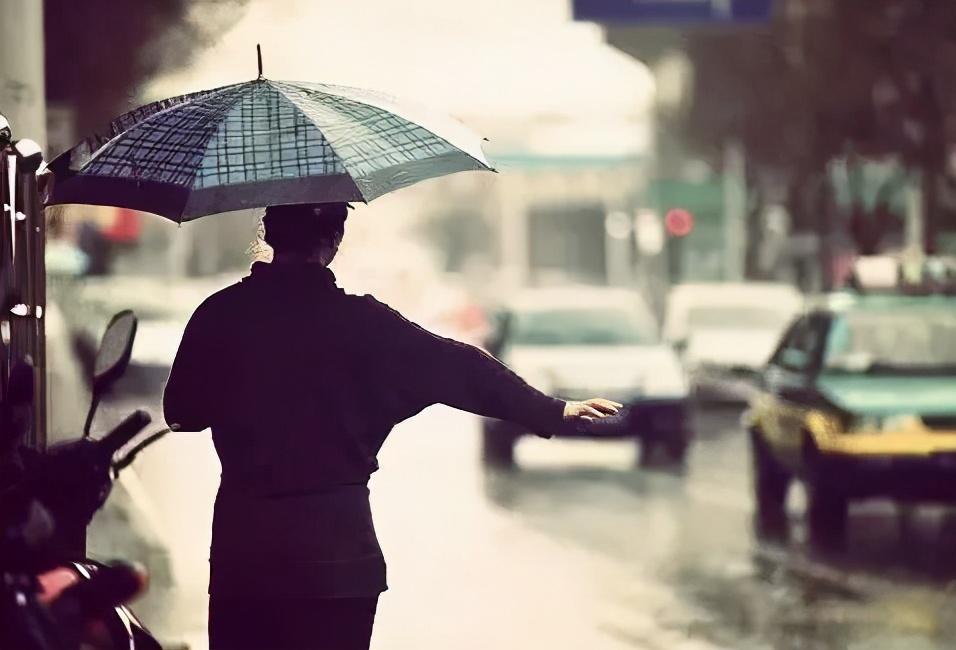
(787, 603)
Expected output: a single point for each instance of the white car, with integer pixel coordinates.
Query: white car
(576, 343)
(726, 332)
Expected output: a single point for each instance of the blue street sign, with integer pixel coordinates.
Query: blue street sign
(671, 12)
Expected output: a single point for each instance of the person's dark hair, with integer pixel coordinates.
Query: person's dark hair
(305, 227)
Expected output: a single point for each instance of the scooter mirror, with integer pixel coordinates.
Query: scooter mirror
(111, 360)
(115, 349)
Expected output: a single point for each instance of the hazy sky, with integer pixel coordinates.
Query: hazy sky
(487, 57)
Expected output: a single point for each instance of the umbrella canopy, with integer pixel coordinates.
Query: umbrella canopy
(260, 143)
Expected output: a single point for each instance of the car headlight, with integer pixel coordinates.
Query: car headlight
(825, 424)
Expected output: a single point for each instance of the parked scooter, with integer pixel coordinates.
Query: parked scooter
(50, 597)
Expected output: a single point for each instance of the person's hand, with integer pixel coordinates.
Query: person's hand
(590, 409)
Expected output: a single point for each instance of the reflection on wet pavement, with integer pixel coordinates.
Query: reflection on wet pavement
(686, 544)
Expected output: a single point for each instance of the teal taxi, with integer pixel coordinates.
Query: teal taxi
(858, 401)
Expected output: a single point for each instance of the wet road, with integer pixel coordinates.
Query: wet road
(689, 572)
(578, 549)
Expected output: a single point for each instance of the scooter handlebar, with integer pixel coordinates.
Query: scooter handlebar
(124, 432)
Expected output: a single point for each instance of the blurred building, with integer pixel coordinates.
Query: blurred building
(716, 195)
(561, 210)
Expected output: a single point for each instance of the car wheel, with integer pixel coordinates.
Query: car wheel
(498, 445)
(771, 482)
(673, 447)
(827, 506)
(827, 512)
(676, 447)
(645, 452)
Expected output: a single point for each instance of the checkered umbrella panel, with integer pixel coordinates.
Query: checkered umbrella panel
(260, 143)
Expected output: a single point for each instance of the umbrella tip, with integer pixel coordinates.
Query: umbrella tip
(259, 58)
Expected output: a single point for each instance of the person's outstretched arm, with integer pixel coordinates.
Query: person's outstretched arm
(428, 369)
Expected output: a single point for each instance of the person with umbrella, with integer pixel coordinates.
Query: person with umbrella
(299, 382)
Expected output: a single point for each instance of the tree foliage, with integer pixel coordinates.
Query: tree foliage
(828, 79)
(871, 75)
(100, 52)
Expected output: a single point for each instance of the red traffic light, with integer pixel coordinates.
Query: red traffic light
(679, 222)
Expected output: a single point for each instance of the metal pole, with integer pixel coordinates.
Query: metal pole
(735, 211)
(23, 278)
(618, 238)
(23, 102)
(513, 234)
(914, 229)
(6, 277)
(34, 246)
(28, 271)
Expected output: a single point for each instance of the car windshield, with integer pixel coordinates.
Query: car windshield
(738, 317)
(583, 327)
(903, 340)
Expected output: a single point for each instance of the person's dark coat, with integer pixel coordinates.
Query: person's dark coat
(301, 384)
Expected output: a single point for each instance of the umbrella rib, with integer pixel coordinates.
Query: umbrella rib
(247, 89)
(251, 88)
(281, 92)
(379, 108)
(212, 93)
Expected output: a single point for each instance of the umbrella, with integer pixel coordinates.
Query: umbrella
(260, 143)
